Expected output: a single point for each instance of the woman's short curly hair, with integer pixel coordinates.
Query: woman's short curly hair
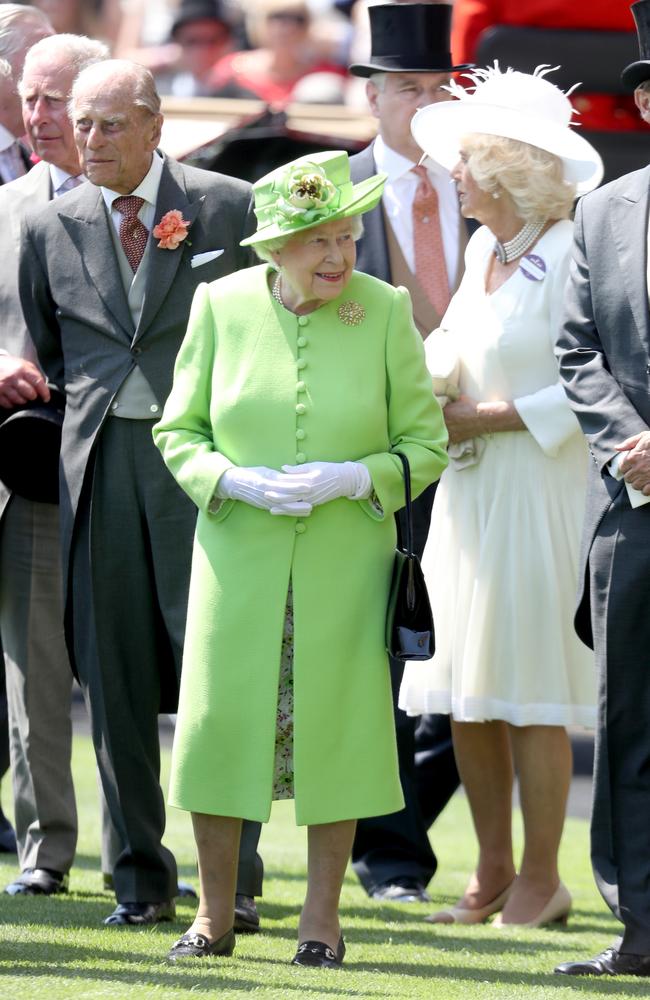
(532, 177)
(266, 250)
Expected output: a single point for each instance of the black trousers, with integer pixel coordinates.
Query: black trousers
(397, 845)
(131, 565)
(619, 570)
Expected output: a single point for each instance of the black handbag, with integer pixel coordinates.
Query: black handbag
(409, 622)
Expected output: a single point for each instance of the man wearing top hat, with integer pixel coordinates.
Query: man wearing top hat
(604, 355)
(415, 238)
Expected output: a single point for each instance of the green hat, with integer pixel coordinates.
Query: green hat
(310, 190)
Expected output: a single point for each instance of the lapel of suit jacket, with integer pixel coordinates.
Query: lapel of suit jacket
(162, 265)
(629, 216)
(87, 222)
(34, 189)
(372, 248)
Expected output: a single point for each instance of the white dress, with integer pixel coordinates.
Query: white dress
(502, 554)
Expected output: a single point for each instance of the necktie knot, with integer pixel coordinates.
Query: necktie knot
(133, 234)
(128, 205)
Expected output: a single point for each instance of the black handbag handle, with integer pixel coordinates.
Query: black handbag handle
(410, 588)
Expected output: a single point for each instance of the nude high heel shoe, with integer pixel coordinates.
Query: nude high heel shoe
(463, 915)
(556, 911)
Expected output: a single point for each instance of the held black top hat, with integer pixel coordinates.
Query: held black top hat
(30, 442)
(409, 38)
(637, 72)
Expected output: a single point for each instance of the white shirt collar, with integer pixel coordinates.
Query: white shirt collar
(395, 165)
(6, 138)
(147, 188)
(59, 177)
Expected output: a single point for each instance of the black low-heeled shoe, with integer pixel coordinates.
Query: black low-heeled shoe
(319, 955)
(194, 945)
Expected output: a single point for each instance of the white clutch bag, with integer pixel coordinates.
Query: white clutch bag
(443, 363)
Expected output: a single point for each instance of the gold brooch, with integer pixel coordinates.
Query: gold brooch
(351, 313)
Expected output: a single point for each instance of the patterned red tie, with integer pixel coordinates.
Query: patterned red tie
(133, 234)
(430, 265)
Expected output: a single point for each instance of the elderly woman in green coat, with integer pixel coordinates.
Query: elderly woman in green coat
(296, 382)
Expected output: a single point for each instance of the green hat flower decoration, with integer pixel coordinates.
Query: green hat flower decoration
(308, 191)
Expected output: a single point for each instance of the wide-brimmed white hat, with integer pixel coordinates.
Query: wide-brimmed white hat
(514, 105)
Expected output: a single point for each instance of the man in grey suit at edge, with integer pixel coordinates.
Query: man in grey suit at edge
(604, 354)
(409, 66)
(107, 299)
(20, 27)
(39, 680)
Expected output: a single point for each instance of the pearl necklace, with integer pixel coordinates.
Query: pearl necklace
(275, 291)
(517, 246)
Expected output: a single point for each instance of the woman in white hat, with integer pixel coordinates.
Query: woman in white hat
(501, 559)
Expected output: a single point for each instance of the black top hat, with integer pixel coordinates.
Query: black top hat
(638, 72)
(198, 10)
(30, 442)
(409, 38)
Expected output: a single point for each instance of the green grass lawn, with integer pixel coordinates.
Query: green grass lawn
(56, 949)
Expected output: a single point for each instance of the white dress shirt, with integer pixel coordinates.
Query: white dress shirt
(397, 201)
(60, 178)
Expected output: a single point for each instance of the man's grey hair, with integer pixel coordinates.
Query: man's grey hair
(644, 87)
(78, 51)
(6, 72)
(144, 93)
(17, 21)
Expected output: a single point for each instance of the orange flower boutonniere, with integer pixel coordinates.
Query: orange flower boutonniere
(171, 230)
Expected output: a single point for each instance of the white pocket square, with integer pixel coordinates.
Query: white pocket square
(205, 258)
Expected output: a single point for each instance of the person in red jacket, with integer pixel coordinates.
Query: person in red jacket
(600, 112)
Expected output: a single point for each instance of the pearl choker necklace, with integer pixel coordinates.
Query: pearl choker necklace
(275, 291)
(517, 246)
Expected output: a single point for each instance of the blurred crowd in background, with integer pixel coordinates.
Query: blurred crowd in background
(299, 50)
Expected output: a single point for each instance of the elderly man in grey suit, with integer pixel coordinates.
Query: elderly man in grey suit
(604, 353)
(106, 281)
(409, 66)
(39, 680)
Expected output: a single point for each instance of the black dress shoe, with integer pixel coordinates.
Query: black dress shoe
(136, 914)
(198, 946)
(38, 882)
(610, 962)
(401, 890)
(319, 955)
(247, 919)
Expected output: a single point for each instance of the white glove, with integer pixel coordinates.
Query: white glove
(254, 486)
(327, 481)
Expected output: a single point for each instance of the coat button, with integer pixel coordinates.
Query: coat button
(300, 364)
(302, 341)
(300, 408)
(647, 369)
(136, 350)
(301, 528)
(303, 320)
(154, 407)
(300, 457)
(300, 386)
(300, 434)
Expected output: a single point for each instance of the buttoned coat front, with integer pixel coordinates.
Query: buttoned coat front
(256, 385)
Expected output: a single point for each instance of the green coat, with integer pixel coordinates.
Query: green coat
(256, 385)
